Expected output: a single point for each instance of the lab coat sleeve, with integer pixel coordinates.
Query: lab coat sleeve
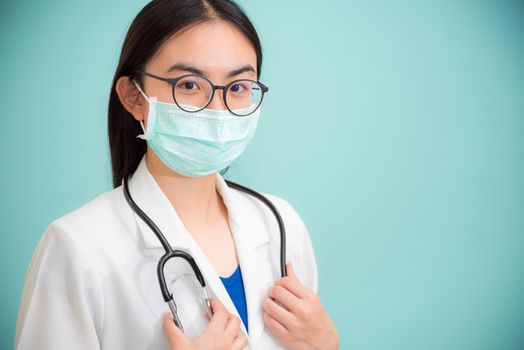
(62, 304)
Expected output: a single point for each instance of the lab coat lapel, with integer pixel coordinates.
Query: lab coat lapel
(252, 238)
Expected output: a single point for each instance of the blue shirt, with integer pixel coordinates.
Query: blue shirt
(235, 288)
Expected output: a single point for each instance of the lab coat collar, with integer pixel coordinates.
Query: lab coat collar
(250, 231)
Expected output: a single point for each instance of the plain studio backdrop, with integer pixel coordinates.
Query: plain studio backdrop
(395, 128)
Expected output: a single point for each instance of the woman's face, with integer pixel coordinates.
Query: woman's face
(214, 49)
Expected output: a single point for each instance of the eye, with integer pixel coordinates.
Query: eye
(188, 85)
(236, 88)
(240, 87)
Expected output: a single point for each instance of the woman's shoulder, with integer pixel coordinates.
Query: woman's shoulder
(288, 212)
(296, 230)
(89, 224)
(93, 211)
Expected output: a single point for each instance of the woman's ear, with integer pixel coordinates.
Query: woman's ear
(130, 97)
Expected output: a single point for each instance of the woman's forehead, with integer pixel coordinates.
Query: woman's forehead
(214, 47)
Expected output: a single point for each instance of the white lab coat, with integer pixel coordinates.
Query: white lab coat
(92, 281)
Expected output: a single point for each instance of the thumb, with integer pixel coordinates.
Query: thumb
(174, 335)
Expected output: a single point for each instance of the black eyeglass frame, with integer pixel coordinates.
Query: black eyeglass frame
(224, 88)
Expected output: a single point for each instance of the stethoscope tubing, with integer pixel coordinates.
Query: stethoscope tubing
(173, 253)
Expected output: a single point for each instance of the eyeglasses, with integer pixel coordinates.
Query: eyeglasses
(192, 93)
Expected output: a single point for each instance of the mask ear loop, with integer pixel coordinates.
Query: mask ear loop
(143, 136)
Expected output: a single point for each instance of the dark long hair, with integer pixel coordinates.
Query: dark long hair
(154, 24)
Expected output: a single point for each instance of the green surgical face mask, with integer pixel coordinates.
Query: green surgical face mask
(198, 143)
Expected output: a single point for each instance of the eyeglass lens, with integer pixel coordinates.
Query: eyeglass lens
(193, 93)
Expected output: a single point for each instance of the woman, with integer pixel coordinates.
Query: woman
(184, 104)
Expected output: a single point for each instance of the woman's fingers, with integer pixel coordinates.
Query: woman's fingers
(223, 331)
(240, 342)
(278, 312)
(220, 315)
(284, 297)
(275, 327)
(174, 335)
(216, 305)
(295, 315)
(294, 286)
(232, 327)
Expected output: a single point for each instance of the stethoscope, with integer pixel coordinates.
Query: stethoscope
(175, 253)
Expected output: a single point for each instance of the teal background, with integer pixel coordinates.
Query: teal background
(395, 128)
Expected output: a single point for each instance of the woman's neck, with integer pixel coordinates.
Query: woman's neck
(195, 199)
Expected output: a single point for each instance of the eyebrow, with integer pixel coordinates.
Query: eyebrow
(194, 70)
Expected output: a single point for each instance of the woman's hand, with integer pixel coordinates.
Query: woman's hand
(223, 332)
(296, 317)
